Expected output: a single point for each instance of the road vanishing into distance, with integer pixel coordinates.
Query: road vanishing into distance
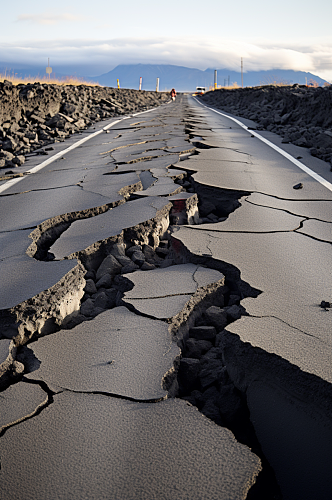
(162, 329)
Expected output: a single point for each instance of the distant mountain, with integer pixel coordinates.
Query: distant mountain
(187, 79)
(180, 77)
(254, 78)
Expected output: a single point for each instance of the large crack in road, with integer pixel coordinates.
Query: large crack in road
(132, 333)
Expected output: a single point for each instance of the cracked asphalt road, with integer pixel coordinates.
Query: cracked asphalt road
(84, 440)
(280, 240)
(285, 255)
(92, 401)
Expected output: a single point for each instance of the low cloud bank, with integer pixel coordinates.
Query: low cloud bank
(101, 56)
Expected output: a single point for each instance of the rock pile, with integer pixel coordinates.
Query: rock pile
(205, 383)
(34, 115)
(301, 115)
(105, 285)
(203, 378)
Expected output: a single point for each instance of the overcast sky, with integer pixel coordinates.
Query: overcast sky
(200, 34)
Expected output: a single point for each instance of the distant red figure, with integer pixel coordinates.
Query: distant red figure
(173, 94)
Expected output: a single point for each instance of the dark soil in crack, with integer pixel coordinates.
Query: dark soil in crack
(204, 382)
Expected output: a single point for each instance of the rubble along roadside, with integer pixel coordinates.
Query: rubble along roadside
(301, 115)
(35, 115)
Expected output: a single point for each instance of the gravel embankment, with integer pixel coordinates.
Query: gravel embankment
(34, 115)
(301, 115)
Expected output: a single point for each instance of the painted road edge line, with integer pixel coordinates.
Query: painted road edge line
(289, 157)
(55, 157)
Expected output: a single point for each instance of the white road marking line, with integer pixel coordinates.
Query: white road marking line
(289, 157)
(55, 157)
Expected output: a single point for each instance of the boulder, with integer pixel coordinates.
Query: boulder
(188, 372)
(110, 266)
(217, 317)
(68, 108)
(147, 266)
(196, 348)
(57, 121)
(233, 299)
(229, 403)
(112, 295)
(18, 160)
(90, 287)
(105, 281)
(129, 268)
(80, 123)
(9, 144)
(138, 258)
(90, 275)
(118, 250)
(7, 155)
(211, 373)
(122, 284)
(88, 308)
(134, 248)
(162, 252)
(233, 312)
(203, 332)
(149, 253)
(101, 299)
(124, 260)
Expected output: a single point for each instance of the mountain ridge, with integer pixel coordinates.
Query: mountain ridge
(187, 79)
(180, 77)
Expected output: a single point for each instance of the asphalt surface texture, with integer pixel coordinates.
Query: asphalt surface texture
(102, 279)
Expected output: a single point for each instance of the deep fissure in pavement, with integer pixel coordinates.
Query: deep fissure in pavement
(201, 376)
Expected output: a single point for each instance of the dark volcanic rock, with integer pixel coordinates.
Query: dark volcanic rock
(188, 372)
(203, 332)
(196, 348)
(34, 115)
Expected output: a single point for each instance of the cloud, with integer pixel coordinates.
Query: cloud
(49, 18)
(100, 56)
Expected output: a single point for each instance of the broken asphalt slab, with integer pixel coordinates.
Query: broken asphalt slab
(93, 446)
(124, 355)
(165, 293)
(25, 211)
(305, 208)
(163, 186)
(249, 218)
(84, 233)
(20, 401)
(297, 307)
(23, 278)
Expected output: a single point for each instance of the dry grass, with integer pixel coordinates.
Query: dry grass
(234, 85)
(69, 80)
(274, 84)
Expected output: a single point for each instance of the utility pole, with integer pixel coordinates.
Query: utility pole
(49, 69)
(157, 85)
(242, 72)
(215, 79)
(228, 80)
